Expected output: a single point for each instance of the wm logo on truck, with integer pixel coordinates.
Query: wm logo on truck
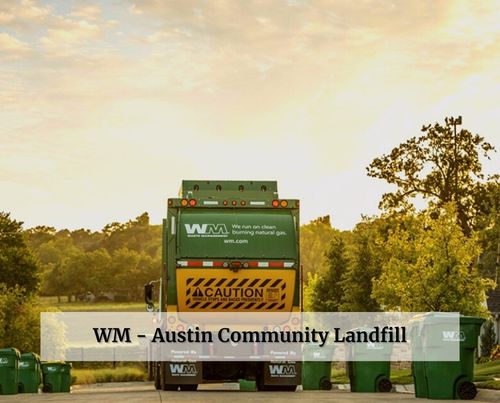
(282, 370)
(183, 369)
(206, 229)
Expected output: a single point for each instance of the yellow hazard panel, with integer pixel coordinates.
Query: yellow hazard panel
(222, 290)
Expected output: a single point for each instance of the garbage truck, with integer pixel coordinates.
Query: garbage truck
(228, 246)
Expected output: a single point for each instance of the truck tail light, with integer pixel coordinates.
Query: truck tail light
(284, 203)
(192, 202)
(276, 203)
(184, 202)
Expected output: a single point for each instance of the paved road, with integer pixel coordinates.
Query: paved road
(138, 392)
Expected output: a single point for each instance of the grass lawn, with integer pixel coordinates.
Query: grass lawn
(102, 375)
(484, 374)
(51, 302)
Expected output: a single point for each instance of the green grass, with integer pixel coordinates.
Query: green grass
(484, 373)
(102, 375)
(489, 385)
(51, 302)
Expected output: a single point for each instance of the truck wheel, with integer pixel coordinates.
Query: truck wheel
(189, 388)
(467, 390)
(157, 378)
(384, 385)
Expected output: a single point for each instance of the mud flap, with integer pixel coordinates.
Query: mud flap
(183, 373)
(282, 373)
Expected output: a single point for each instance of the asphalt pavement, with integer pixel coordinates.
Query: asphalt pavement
(138, 392)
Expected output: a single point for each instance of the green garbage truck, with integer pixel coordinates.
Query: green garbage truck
(229, 246)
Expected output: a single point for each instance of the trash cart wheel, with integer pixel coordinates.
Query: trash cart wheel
(384, 385)
(325, 384)
(47, 388)
(467, 390)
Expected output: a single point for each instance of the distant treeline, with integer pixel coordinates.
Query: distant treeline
(112, 263)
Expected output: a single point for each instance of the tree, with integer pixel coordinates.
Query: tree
(429, 267)
(19, 319)
(364, 257)
(488, 338)
(441, 166)
(325, 292)
(314, 239)
(18, 266)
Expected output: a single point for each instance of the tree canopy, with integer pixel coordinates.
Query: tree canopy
(441, 166)
(18, 266)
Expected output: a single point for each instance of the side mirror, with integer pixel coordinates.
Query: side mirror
(148, 297)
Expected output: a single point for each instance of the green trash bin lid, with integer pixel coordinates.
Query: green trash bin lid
(9, 352)
(471, 320)
(55, 366)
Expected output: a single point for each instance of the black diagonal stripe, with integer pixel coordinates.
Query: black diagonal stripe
(194, 305)
(263, 284)
(198, 282)
(189, 280)
(188, 291)
(242, 282)
(248, 306)
(261, 305)
(232, 282)
(227, 305)
(207, 284)
(281, 307)
(205, 305)
(188, 301)
(217, 305)
(239, 305)
(283, 296)
(283, 286)
(275, 283)
(272, 305)
(253, 282)
(221, 281)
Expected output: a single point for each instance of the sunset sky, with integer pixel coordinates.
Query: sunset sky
(105, 106)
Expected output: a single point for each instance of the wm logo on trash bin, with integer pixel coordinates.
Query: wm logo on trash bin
(453, 335)
(183, 369)
(282, 370)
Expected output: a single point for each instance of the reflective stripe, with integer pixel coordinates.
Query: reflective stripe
(257, 203)
(211, 263)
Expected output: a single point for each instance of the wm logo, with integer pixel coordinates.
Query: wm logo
(206, 229)
(183, 369)
(453, 335)
(282, 369)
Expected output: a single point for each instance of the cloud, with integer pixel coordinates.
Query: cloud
(11, 46)
(66, 33)
(20, 13)
(87, 12)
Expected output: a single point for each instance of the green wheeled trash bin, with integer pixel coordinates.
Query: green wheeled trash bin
(448, 379)
(30, 373)
(316, 375)
(56, 377)
(371, 369)
(9, 363)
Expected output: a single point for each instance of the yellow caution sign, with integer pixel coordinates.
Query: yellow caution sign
(247, 290)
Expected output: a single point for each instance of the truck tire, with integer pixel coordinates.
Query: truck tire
(189, 388)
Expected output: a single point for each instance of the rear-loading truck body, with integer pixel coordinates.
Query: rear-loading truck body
(229, 246)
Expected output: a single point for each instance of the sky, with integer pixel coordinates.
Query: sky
(106, 106)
